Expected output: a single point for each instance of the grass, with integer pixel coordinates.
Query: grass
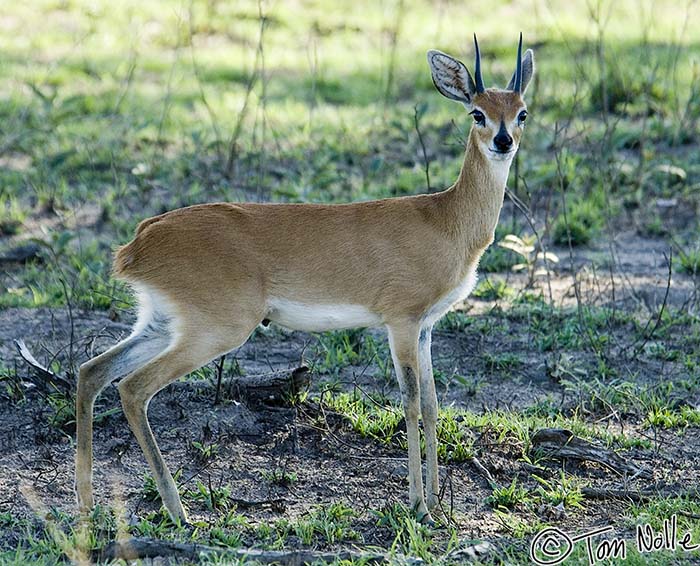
(458, 429)
(342, 348)
(689, 262)
(410, 537)
(113, 115)
(455, 321)
(509, 496)
(148, 131)
(666, 417)
(371, 419)
(60, 534)
(579, 226)
(280, 476)
(205, 451)
(490, 290)
(502, 362)
(331, 524)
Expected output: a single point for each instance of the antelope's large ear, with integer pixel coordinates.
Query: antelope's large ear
(451, 77)
(527, 69)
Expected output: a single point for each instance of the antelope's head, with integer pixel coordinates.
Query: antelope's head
(499, 114)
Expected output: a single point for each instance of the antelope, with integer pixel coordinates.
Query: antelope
(206, 276)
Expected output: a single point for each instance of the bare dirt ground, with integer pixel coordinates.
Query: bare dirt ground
(331, 461)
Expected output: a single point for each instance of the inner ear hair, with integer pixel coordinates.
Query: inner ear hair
(450, 77)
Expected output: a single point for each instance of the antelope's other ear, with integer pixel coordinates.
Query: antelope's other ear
(451, 77)
(528, 70)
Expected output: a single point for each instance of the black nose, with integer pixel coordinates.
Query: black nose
(503, 141)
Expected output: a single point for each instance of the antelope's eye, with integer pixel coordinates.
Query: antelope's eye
(522, 117)
(479, 117)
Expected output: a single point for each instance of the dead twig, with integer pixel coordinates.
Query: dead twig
(22, 253)
(41, 372)
(474, 461)
(394, 33)
(140, 548)
(426, 161)
(219, 365)
(277, 503)
(250, 85)
(604, 493)
(274, 388)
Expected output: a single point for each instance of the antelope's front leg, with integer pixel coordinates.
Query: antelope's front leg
(404, 350)
(429, 412)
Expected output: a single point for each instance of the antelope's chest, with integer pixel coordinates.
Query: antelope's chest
(458, 293)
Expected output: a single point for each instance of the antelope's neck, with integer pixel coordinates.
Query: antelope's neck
(476, 198)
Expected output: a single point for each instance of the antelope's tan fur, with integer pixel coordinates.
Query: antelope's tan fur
(396, 257)
(207, 275)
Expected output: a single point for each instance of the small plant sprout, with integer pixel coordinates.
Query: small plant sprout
(205, 451)
(280, 476)
(508, 497)
(533, 262)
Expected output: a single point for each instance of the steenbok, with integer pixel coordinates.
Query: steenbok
(207, 275)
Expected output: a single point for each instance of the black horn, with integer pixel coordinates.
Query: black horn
(518, 85)
(477, 69)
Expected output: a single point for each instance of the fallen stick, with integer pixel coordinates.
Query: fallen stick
(562, 443)
(637, 496)
(44, 374)
(479, 466)
(603, 493)
(249, 504)
(140, 548)
(21, 254)
(271, 388)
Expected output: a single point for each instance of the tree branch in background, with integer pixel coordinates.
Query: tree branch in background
(250, 85)
(426, 162)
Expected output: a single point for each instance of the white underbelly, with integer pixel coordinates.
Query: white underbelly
(320, 317)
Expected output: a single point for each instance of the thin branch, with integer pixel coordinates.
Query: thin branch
(648, 335)
(426, 161)
(200, 85)
(250, 85)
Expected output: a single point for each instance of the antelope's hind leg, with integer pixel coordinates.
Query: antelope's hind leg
(148, 339)
(191, 349)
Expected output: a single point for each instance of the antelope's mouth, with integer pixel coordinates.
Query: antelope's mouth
(501, 155)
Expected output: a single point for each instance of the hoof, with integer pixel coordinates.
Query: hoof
(179, 517)
(85, 505)
(425, 518)
(439, 517)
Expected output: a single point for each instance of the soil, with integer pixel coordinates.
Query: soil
(333, 463)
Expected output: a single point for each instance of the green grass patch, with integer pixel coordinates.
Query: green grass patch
(666, 417)
(342, 348)
(489, 290)
(459, 430)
